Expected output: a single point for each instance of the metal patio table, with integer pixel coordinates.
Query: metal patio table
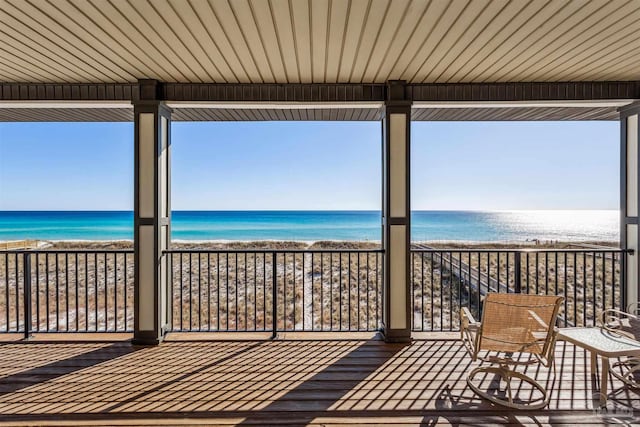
(599, 341)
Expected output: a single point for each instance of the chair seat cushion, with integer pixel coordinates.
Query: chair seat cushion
(513, 339)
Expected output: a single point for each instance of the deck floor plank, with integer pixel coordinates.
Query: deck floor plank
(325, 382)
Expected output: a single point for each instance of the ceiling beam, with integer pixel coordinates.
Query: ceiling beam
(525, 91)
(318, 93)
(98, 92)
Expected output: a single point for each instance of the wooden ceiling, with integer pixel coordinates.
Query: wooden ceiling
(434, 43)
(319, 41)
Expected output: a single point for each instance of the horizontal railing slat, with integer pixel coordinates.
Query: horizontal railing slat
(522, 250)
(260, 251)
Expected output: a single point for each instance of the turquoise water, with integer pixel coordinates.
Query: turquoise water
(317, 225)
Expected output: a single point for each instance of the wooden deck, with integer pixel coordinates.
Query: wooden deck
(261, 382)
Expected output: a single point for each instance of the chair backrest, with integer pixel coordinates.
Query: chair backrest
(519, 323)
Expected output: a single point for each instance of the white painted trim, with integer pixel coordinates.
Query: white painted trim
(146, 285)
(632, 165)
(398, 277)
(147, 164)
(164, 307)
(524, 104)
(274, 106)
(398, 165)
(164, 168)
(65, 105)
(632, 264)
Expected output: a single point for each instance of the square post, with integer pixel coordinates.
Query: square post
(629, 199)
(152, 215)
(396, 213)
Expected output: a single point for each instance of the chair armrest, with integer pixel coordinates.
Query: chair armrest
(548, 351)
(466, 318)
(614, 320)
(614, 315)
(538, 319)
(469, 332)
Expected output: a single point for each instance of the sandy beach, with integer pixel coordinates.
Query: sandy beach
(323, 244)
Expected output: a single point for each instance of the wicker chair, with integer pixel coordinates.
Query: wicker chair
(516, 330)
(626, 369)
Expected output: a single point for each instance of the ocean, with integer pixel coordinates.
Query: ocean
(495, 226)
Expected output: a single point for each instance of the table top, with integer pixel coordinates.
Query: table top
(600, 341)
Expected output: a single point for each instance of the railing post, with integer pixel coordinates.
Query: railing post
(27, 294)
(518, 281)
(274, 297)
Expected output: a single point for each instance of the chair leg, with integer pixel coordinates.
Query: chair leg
(508, 380)
(629, 368)
(508, 374)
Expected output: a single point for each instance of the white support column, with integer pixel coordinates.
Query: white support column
(396, 213)
(152, 216)
(629, 197)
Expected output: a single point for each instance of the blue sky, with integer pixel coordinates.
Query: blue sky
(315, 165)
(516, 165)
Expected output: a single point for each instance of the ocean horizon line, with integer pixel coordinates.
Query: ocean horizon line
(318, 210)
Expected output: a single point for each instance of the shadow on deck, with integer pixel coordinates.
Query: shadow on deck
(297, 382)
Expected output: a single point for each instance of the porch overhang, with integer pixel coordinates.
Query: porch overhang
(32, 102)
(319, 51)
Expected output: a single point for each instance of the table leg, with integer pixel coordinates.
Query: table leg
(604, 379)
(594, 364)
